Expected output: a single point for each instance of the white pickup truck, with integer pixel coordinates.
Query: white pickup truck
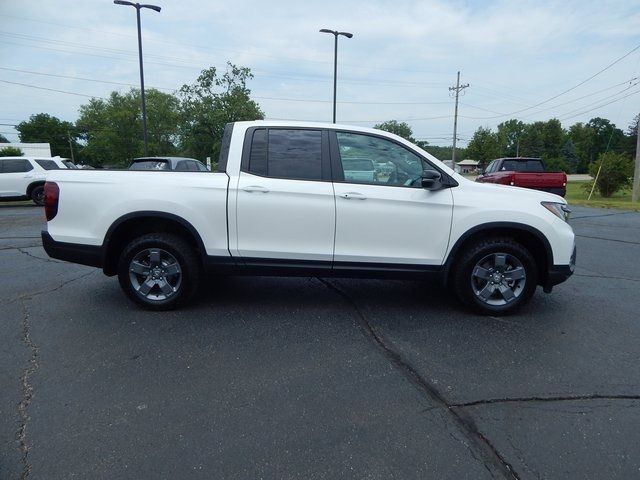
(280, 205)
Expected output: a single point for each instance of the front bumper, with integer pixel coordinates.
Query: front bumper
(73, 252)
(560, 273)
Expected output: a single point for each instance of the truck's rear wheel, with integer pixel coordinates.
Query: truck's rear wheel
(159, 271)
(495, 276)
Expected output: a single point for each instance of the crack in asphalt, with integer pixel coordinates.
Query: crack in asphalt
(63, 284)
(23, 246)
(29, 296)
(602, 215)
(492, 460)
(16, 238)
(608, 277)
(566, 398)
(609, 239)
(27, 391)
(50, 260)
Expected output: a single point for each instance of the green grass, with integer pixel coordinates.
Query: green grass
(577, 195)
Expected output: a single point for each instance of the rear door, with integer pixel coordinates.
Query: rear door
(285, 206)
(390, 219)
(15, 176)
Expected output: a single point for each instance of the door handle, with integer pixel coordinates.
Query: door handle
(353, 196)
(256, 189)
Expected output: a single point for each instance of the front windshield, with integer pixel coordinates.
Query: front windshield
(150, 165)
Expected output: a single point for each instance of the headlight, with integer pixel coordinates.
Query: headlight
(560, 210)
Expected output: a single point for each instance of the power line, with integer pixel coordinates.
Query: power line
(52, 89)
(565, 91)
(603, 105)
(79, 78)
(302, 100)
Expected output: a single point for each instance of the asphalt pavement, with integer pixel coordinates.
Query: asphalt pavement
(280, 378)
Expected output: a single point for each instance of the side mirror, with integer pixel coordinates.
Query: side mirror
(431, 180)
(480, 171)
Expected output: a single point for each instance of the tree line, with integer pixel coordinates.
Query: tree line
(187, 123)
(572, 150)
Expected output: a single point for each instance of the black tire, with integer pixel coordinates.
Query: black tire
(495, 276)
(37, 195)
(159, 271)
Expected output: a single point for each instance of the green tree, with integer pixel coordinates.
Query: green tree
(402, 129)
(509, 134)
(553, 138)
(4, 139)
(112, 128)
(10, 152)
(483, 146)
(631, 138)
(209, 104)
(49, 129)
(606, 136)
(569, 155)
(556, 164)
(613, 171)
(582, 137)
(445, 153)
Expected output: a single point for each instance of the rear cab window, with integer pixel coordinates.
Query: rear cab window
(531, 165)
(296, 154)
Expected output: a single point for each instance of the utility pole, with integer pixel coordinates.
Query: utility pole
(71, 147)
(458, 88)
(636, 172)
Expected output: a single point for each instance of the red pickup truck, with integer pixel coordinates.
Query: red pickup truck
(526, 173)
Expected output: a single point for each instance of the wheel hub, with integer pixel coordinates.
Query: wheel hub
(498, 279)
(155, 274)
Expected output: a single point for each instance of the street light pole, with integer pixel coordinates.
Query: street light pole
(138, 6)
(335, 33)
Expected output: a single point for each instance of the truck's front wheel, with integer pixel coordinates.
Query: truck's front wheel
(495, 276)
(159, 271)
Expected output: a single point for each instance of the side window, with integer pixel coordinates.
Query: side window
(16, 166)
(181, 166)
(491, 167)
(377, 161)
(48, 164)
(281, 153)
(201, 167)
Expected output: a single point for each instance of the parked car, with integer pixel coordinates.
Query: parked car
(180, 164)
(526, 173)
(359, 170)
(282, 204)
(23, 177)
(65, 162)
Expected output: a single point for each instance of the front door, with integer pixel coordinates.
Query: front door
(388, 218)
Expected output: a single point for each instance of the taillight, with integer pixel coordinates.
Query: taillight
(506, 180)
(51, 197)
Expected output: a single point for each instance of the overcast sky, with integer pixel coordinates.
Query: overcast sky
(403, 57)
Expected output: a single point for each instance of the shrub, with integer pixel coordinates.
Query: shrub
(10, 152)
(616, 172)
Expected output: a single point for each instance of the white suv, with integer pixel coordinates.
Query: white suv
(24, 177)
